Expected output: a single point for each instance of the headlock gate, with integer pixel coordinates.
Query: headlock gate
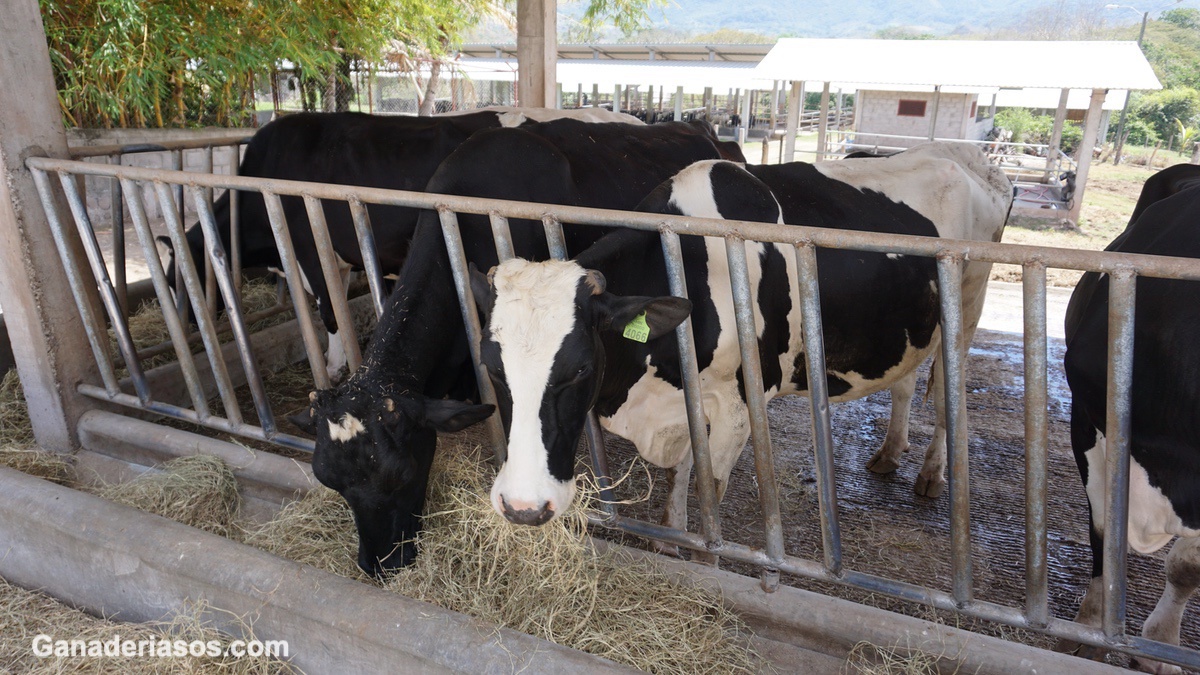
(137, 391)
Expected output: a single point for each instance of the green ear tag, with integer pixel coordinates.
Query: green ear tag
(637, 330)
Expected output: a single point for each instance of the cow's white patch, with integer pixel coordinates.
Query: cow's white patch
(534, 311)
(511, 119)
(1152, 520)
(346, 429)
(895, 256)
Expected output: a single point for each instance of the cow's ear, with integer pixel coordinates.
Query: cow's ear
(485, 294)
(623, 314)
(448, 415)
(305, 420)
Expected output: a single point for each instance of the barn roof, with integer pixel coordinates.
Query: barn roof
(693, 76)
(969, 63)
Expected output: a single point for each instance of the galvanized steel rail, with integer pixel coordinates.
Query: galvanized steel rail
(768, 555)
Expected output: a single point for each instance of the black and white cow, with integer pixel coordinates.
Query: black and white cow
(556, 344)
(375, 433)
(1164, 474)
(393, 152)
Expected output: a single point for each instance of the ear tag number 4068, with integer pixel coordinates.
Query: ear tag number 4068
(637, 330)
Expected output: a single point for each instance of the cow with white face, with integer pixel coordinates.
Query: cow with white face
(559, 339)
(544, 353)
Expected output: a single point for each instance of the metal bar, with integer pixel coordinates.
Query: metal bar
(233, 309)
(1037, 443)
(818, 393)
(177, 164)
(370, 255)
(466, 300)
(291, 271)
(555, 241)
(982, 251)
(235, 221)
(221, 325)
(212, 422)
(117, 211)
(92, 325)
(192, 288)
(953, 358)
(108, 294)
(333, 282)
(175, 328)
(134, 148)
(764, 461)
(210, 284)
(706, 492)
(979, 609)
(503, 236)
(1117, 437)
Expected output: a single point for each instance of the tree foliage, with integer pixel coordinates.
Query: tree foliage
(135, 63)
(1161, 110)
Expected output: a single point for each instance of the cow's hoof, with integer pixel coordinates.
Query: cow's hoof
(667, 549)
(1154, 667)
(1081, 650)
(930, 487)
(881, 463)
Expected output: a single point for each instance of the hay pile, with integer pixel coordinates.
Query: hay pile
(548, 581)
(200, 491)
(25, 615)
(870, 659)
(17, 449)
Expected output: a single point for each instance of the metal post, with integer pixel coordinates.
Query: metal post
(366, 247)
(333, 282)
(818, 392)
(235, 220)
(953, 357)
(1117, 434)
(1036, 444)
(118, 230)
(710, 517)
(933, 115)
(1055, 153)
(764, 461)
(466, 299)
(1120, 140)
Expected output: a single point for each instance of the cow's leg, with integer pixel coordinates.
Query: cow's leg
(335, 354)
(1090, 610)
(675, 515)
(887, 458)
(1183, 578)
(932, 478)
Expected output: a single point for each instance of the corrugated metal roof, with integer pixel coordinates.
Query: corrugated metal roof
(1047, 64)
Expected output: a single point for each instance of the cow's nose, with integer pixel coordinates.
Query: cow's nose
(527, 514)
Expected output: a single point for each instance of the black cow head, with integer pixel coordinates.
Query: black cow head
(376, 451)
(543, 352)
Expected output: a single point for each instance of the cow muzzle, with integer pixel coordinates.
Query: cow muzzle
(534, 505)
(534, 515)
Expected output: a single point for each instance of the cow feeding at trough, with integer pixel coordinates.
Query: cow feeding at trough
(1164, 440)
(562, 337)
(375, 433)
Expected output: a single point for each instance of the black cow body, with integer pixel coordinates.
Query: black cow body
(418, 354)
(398, 153)
(1164, 497)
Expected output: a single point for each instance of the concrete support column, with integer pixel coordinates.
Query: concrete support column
(678, 104)
(579, 96)
(774, 106)
(48, 338)
(937, 99)
(617, 98)
(708, 104)
(558, 96)
(649, 97)
(744, 127)
(595, 96)
(1054, 153)
(794, 105)
(823, 128)
(537, 46)
(1091, 126)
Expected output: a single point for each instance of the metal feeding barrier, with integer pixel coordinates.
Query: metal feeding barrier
(769, 556)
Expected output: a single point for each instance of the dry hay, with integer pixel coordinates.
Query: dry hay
(870, 659)
(26, 614)
(549, 581)
(36, 462)
(200, 491)
(15, 428)
(317, 530)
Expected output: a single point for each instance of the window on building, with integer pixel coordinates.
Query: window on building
(909, 108)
